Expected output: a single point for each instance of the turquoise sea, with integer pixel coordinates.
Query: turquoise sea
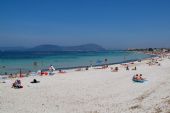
(11, 62)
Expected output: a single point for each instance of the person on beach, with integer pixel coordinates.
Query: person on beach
(114, 70)
(87, 68)
(61, 71)
(138, 77)
(105, 66)
(127, 67)
(51, 68)
(11, 75)
(134, 68)
(17, 84)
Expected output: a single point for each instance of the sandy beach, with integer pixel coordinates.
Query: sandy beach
(85, 56)
(92, 91)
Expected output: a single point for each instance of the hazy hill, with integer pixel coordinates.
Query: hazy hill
(46, 48)
(85, 47)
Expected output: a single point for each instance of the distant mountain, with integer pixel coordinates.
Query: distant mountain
(46, 48)
(41, 48)
(86, 47)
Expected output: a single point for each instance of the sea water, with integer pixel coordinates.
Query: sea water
(12, 62)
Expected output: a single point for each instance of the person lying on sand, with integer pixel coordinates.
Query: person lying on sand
(78, 69)
(61, 71)
(35, 81)
(114, 70)
(131, 62)
(17, 84)
(105, 66)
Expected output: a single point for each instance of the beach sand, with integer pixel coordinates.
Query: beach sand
(92, 91)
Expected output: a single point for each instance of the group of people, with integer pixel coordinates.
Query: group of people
(154, 61)
(127, 68)
(138, 77)
(17, 83)
(114, 69)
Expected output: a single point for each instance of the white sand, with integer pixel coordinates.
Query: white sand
(92, 91)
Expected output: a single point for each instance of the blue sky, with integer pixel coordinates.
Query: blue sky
(110, 23)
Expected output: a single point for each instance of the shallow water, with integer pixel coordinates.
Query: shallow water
(12, 61)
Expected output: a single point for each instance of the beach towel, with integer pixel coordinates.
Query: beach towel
(138, 81)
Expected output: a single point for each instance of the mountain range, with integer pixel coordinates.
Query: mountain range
(48, 47)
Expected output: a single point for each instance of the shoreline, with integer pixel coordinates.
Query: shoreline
(29, 66)
(75, 67)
